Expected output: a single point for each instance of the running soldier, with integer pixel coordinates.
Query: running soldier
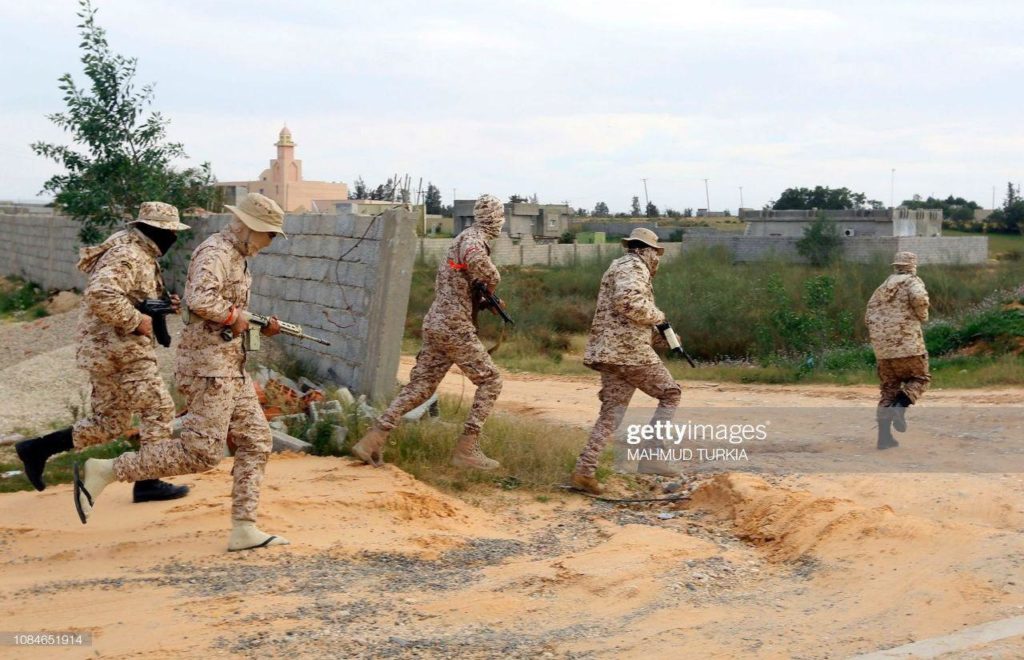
(894, 316)
(450, 337)
(210, 372)
(620, 347)
(116, 346)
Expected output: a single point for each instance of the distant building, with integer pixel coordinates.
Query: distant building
(981, 215)
(521, 218)
(704, 213)
(853, 222)
(283, 183)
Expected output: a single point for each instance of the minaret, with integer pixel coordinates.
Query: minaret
(285, 169)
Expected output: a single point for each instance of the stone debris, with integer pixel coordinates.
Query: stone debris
(365, 409)
(345, 396)
(285, 442)
(290, 404)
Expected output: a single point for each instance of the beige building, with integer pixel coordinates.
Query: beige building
(521, 218)
(283, 183)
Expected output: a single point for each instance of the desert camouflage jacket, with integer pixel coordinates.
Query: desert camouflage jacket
(894, 316)
(622, 332)
(218, 282)
(123, 271)
(468, 260)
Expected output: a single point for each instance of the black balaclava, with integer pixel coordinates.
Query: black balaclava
(164, 238)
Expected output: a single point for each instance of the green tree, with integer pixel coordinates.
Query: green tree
(358, 189)
(1010, 218)
(819, 197)
(652, 210)
(634, 207)
(433, 200)
(821, 243)
(601, 210)
(120, 155)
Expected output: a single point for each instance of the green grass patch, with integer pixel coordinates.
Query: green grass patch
(771, 321)
(534, 455)
(21, 300)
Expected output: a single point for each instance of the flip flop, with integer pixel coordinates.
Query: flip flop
(254, 547)
(79, 491)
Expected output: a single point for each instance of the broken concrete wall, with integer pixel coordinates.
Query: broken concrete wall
(357, 302)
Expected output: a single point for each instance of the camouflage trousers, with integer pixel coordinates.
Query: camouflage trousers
(116, 397)
(438, 354)
(618, 383)
(218, 409)
(906, 374)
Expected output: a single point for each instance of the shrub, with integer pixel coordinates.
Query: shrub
(821, 243)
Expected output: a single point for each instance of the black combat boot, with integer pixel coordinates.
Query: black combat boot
(154, 490)
(34, 453)
(885, 439)
(899, 409)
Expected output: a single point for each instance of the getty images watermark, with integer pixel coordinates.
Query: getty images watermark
(817, 439)
(667, 441)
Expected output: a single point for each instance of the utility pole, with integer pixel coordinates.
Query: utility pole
(892, 189)
(707, 197)
(647, 200)
(419, 196)
(993, 198)
(741, 199)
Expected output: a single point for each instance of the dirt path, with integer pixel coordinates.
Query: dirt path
(573, 400)
(807, 565)
(384, 566)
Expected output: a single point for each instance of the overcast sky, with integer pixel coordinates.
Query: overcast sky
(574, 100)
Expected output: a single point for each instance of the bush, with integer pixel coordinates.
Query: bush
(21, 296)
(821, 244)
(723, 310)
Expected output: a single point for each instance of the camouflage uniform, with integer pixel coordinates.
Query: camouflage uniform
(894, 316)
(620, 348)
(449, 335)
(122, 365)
(210, 372)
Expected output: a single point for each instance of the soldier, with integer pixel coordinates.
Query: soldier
(117, 348)
(210, 372)
(620, 347)
(449, 337)
(894, 316)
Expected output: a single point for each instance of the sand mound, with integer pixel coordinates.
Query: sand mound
(62, 301)
(788, 524)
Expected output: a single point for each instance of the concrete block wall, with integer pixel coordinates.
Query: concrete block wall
(930, 249)
(41, 247)
(358, 303)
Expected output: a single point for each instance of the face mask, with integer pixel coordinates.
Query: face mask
(164, 238)
(492, 230)
(651, 258)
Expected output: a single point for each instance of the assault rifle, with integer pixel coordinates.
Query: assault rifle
(673, 341)
(158, 309)
(487, 300)
(251, 338)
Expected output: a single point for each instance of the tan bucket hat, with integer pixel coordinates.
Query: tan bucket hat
(160, 215)
(259, 213)
(905, 259)
(645, 236)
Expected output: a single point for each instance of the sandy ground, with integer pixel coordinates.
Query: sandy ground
(799, 565)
